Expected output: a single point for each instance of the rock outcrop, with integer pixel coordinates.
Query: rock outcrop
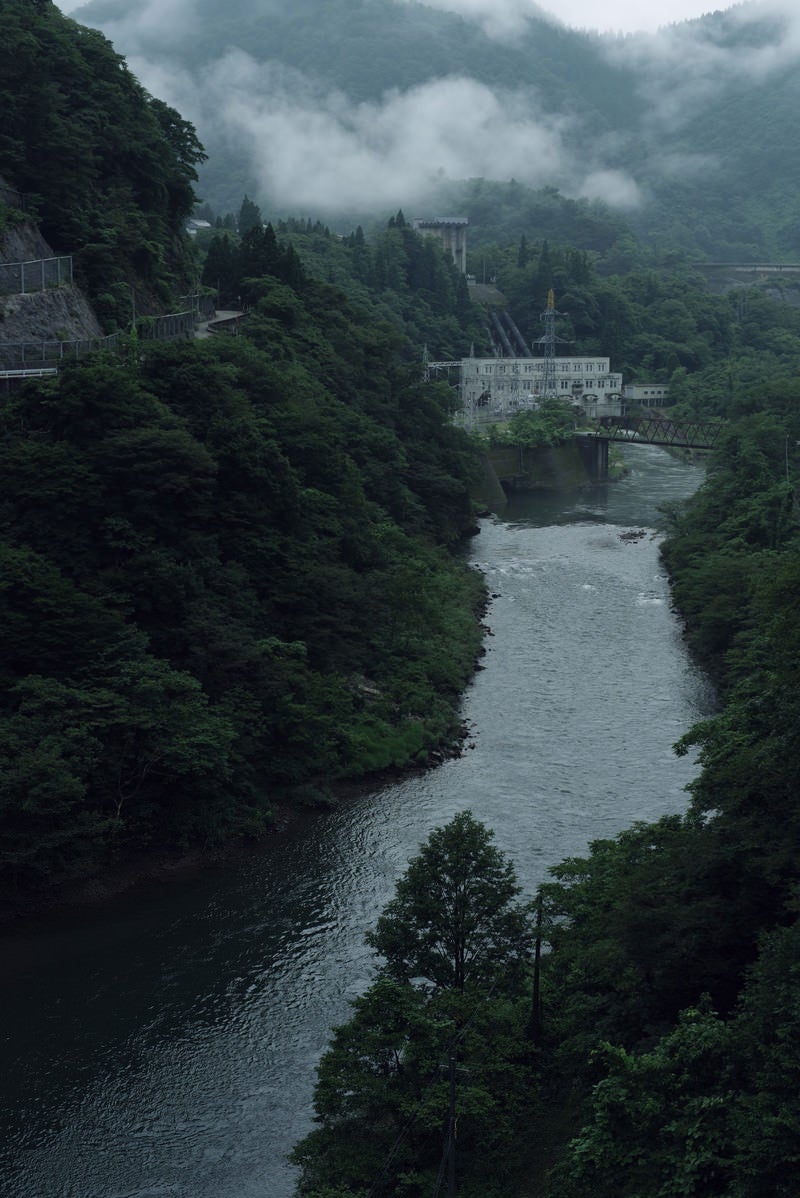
(56, 314)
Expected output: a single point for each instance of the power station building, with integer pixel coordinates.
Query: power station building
(495, 386)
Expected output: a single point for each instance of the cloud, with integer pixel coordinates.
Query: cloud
(685, 67)
(317, 151)
(311, 148)
(613, 187)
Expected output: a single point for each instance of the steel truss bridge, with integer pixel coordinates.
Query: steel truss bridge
(649, 430)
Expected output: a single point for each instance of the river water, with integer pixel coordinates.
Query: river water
(164, 1046)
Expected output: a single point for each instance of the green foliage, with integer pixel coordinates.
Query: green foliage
(453, 942)
(109, 168)
(662, 1120)
(728, 536)
(249, 217)
(552, 423)
(711, 1109)
(227, 580)
(655, 931)
(404, 278)
(452, 921)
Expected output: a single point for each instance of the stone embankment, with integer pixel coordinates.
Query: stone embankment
(53, 314)
(58, 314)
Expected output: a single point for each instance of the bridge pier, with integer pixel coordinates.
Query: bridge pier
(594, 451)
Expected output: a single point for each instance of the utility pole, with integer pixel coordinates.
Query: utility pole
(536, 1004)
(451, 1131)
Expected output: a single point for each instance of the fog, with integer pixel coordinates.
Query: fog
(312, 149)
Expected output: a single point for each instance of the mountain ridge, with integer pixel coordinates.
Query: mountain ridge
(359, 106)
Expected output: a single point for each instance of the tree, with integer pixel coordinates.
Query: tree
(221, 268)
(454, 941)
(249, 216)
(661, 1120)
(454, 921)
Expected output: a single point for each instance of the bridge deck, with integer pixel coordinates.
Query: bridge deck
(647, 430)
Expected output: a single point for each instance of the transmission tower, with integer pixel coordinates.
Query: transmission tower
(548, 343)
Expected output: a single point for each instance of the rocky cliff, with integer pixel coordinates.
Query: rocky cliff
(57, 313)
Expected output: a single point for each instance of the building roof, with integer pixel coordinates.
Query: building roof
(423, 223)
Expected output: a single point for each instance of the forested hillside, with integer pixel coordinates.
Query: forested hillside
(400, 276)
(345, 110)
(227, 581)
(653, 1050)
(104, 168)
(225, 584)
(651, 312)
(654, 315)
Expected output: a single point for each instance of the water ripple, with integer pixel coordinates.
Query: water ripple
(165, 1047)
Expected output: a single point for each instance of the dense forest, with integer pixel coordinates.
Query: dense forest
(651, 312)
(652, 1050)
(226, 582)
(228, 574)
(399, 276)
(106, 170)
(230, 583)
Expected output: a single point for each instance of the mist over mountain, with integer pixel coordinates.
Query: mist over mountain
(359, 106)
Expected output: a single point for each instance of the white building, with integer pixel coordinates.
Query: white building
(492, 387)
(649, 395)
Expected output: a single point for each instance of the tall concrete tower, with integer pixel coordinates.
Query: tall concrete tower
(452, 232)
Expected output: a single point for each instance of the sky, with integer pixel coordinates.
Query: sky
(630, 16)
(616, 16)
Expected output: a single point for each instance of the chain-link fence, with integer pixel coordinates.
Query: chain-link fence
(33, 355)
(20, 278)
(30, 355)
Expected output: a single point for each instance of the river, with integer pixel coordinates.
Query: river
(164, 1046)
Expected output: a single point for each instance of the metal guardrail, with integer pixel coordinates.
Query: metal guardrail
(36, 355)
(13, 378)
(28, 374)
(225, 324)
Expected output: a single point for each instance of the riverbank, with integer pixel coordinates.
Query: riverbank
(159, 868)
(165, 1041)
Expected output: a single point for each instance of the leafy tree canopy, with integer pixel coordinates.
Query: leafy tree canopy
(454, 942)
(107, 169)
(454, 921)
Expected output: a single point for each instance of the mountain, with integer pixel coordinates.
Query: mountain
(225, 570)
(352, 107)
(106, 170)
